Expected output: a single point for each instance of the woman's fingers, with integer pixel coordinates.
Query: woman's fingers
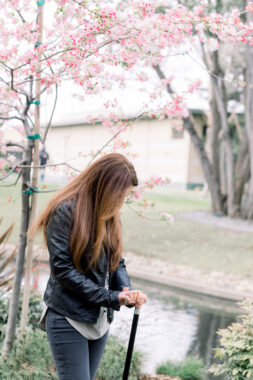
(132, 297)
(126, 298)
(141, 299)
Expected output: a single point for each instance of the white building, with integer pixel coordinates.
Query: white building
(155, 148)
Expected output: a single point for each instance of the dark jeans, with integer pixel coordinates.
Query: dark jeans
(75, 357)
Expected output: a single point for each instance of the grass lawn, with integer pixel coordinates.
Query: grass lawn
(189, 243)
(10, 208)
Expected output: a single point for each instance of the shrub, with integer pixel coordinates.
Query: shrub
(112, 364)
(6, 256)
(236, 351)
(30, 359)
(189, 369)
(34, 312)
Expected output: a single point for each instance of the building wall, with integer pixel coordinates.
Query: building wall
(151, 141)
(155, 148)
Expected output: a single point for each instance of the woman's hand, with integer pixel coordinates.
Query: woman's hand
(132, 297)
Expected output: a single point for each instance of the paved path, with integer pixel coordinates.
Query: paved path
(225, 222)
(216, 284)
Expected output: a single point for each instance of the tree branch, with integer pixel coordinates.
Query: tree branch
(9, 105)
(12, 85)
(9, 143)
(13, 184)
(11, 118)
(21, 17)
(49, 165)
(12, 169)
(111, 139)
(162, 76)
(52, 114)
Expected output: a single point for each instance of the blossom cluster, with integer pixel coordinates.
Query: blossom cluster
(82, 40)
(87, 42)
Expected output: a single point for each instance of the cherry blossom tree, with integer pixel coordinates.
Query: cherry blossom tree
(93, 44)
(224, 151)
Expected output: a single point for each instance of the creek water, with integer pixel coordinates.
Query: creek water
(172, 324)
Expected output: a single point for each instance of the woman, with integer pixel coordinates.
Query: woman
(88, 278)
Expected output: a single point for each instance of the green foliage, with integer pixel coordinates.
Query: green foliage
(112, 365)
(35, 310)
(189, 369)
(4, 303)
(34, 313)
(236, 351)
(30, 359)
(6, 257)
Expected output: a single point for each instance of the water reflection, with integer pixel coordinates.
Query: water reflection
(173, 324)
(206, 337)
(164, 331)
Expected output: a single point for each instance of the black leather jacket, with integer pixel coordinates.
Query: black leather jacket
(70, 292)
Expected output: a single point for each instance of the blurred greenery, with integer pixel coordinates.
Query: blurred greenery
(31, 359)
(189, 243)
(197, 245)
(189, 369)
(113, 361)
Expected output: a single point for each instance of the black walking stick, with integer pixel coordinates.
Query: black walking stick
(131, 343)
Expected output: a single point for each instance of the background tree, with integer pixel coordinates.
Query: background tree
(224, 152)
(86, 42)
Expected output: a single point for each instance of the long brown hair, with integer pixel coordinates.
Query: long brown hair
(98, 192)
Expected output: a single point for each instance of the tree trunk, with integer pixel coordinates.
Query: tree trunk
(28, 268)
(217, 206)
(15, 295)
(223, 171)
(219, 91)
(242, 173)
(249, 120)
(215, 127)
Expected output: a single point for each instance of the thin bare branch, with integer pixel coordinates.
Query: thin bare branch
(4, 81)
(70, 49)
(52, 114)
(14, 183)
(32, 123)
(12, 169)
(11, 118)
(162, 76)
(21, 17)
(9, 143)
(43, 191)
(7, 67)
(9, 105)
(49, 165)
(12, 85)
(53, 110)
(44, 59)
(112, 138)
(209, 71)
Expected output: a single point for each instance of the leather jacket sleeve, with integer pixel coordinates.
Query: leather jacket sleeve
(120, 277)
(62, 267)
